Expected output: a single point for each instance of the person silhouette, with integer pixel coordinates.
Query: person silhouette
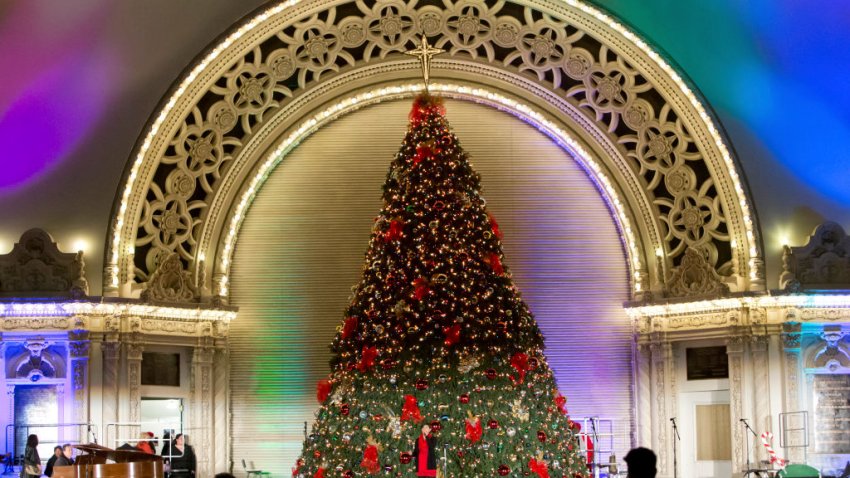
(641, 462)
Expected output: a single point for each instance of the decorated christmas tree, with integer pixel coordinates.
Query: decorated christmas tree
(437, 334)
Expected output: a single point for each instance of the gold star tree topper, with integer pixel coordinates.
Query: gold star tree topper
(425, 52)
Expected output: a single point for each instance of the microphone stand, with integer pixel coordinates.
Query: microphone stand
(595, 442)
(747, 444)
(676, 437)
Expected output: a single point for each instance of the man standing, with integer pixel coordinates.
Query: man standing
(641, 463)
(425, 453)
(57, 452)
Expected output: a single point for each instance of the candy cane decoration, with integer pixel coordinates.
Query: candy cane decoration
(766, 438)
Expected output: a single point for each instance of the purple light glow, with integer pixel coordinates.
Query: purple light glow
(50, 117)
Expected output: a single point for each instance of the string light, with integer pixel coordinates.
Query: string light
(481, 95)
(121, 219)
(803, 301)
(85, 309)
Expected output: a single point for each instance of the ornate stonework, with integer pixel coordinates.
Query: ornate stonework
(823, 263)
(695, 277)
(590, 72)
(170, 283)
(36, 267)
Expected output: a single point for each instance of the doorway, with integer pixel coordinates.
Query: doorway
(163, 417)
(706, 433)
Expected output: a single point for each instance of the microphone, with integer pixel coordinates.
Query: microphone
(673, 419)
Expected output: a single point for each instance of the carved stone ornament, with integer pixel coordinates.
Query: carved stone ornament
(36, 366)
(206, 141)
(36, 267)
(695, 277)
(823, 263)
(834, 353)
(170, 283)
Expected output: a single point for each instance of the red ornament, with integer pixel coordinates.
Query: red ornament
(421, 384)
(464, 398)
(405, 458)
(317, 454)
(320, 473)
(410, 410)
(541, 435)
(460, 453)
(533, 363)
(395, 231)
(348, 474)
(436, 425)
(493, 424)
(367, 359)
(420, 288)
(345, 409)
(490, 373)
(298, 464)
(387, 364)
(323, 390)
(452, 335)
(349, 327)
(377, 417)
(504, 470)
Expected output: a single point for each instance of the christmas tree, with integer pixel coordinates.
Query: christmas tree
(437, 334)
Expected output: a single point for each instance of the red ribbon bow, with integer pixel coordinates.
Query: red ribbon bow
(323, 390)
(367, 360)
(474, 431)
(495, 263)
(519, 361)
(410, 410)
(420, 288)
(495, 227)
(370, 460)
(561, 402)
(395, 231)
(539, 467)
(349, 327)
(320, 473)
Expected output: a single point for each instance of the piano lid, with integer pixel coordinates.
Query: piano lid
(118, 456)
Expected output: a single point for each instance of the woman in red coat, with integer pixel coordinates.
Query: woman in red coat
(425, 453)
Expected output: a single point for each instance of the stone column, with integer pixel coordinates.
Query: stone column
(79, 345)
(643, 373)
(202, 428)
(661, 353)
(221, 388)
(134, 383)
(111, 356)
(763, 420)
(791, 333)
(735, 351)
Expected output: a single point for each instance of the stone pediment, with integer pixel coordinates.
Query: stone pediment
(36, 267)
(822, 264)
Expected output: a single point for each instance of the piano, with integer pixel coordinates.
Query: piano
(125, 464)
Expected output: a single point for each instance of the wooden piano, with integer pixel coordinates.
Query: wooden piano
(125, 464)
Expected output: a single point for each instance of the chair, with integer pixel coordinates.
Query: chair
(253, 471)
(799, 471)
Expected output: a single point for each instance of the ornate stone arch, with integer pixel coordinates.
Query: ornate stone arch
(591, 84)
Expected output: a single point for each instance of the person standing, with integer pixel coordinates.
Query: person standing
(641, 462)
(183, 463)
(425, 453)
(67, 456)
(32, 462)
(57, 452)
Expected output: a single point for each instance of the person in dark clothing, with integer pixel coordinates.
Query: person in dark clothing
(66, 458)
(425, 453)
(224, 475)
(32, 462)
(57, 452)
(641, 462)
(183, 461)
